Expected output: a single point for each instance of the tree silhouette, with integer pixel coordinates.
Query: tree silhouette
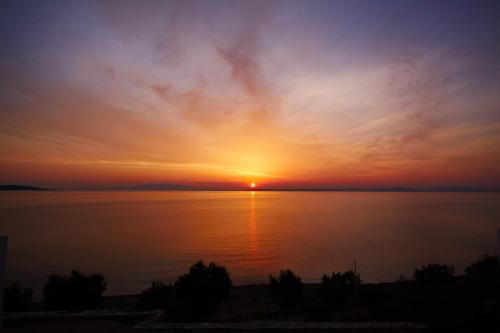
(199, 292)
(335, 289)
(287, 290)
(434, 274)
(158, 296)
(78, 291)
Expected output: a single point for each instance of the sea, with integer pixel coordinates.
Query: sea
(133, 238)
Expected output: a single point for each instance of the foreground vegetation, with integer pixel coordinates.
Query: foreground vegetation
(434, 295)
(195, 296)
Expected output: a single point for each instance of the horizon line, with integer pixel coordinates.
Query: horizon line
(179, 188)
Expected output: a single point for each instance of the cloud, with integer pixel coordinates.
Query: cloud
(247, 89)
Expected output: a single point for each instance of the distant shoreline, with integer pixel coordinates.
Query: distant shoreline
(22, 188)
(194, 189)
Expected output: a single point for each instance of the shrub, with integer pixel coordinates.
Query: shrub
(78, 291)
(483, 277)
(199, 292)
(485, 269)
(287, 290)
(338, 287)
(434, 274)
(158, 296)
(17, 299)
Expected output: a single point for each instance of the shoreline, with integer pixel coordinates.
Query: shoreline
(240, 295)
(435, 303)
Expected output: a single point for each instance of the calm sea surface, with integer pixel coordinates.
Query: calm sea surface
(136, 237)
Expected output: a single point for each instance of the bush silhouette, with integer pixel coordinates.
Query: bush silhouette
(338, 287)
(487, 268)
(158, 296)
(287, 290)
(483, 277)
(76, 292)
(199, 292)
(17, 299)
(434, 274)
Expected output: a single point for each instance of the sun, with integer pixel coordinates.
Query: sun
(252, 185)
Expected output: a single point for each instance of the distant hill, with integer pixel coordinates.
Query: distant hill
(21, 188)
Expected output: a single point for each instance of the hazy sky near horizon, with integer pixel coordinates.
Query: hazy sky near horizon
(361, 93)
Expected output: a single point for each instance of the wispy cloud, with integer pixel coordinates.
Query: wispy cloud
(277, 91)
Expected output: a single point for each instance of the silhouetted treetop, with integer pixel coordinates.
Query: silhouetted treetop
(199, 292)
(78, 291)
(287, 290)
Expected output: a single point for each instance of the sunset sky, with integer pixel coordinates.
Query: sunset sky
(280, 93)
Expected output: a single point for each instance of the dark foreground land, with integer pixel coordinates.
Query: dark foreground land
(374, 303)
(107, 326)
(73, 326)
(203, 300)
